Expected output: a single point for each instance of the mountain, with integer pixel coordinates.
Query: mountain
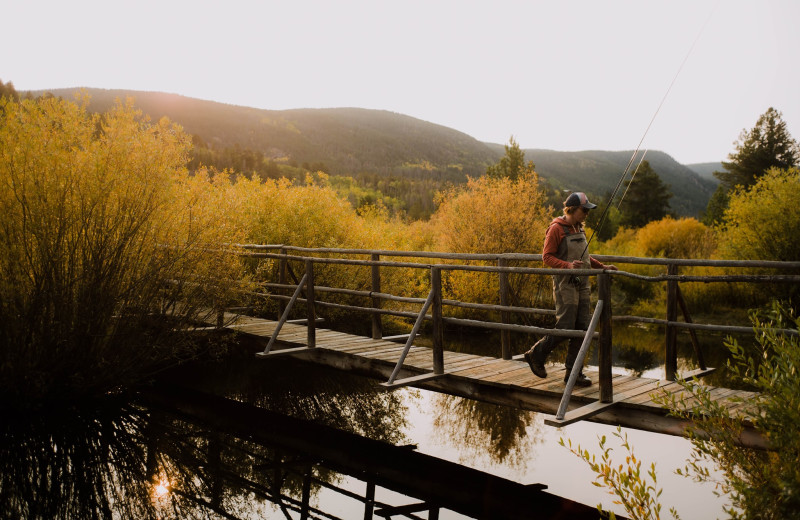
(598, 172)
(706, 170)
(349, 141)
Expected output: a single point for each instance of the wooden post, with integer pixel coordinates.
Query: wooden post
(312, 314)
(505, 336)
(671, 345)
(220, 317)
(605, 346)
(281, 280)
(369, 501)
(688, 319)
(377, 328)
(305, 502)
(438, 324)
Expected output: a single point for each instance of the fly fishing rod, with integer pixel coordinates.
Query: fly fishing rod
(638, 147)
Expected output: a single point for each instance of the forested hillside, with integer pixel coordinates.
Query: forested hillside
(347, 140)
(706, 170)
(598, 172)
(381, 150)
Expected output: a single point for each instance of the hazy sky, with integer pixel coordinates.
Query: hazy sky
(562, 75)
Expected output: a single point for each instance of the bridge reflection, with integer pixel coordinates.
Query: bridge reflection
(287, 461)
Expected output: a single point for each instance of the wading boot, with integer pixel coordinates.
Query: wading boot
(536, 362)
(582, 380)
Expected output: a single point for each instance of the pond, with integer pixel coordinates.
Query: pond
(216, 440)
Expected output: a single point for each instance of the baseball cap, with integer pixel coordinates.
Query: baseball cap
(579, 199)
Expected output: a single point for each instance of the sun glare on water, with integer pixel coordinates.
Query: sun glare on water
(161, 488)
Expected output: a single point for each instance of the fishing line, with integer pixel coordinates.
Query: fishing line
(638, 147)
(632, 178)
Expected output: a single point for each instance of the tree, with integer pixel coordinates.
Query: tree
(7, 90)
(767, 145)
(512, 164)
(101, 227)
(491, 215)
(646, 198)
(761, 222)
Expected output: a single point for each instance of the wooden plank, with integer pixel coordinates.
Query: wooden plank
(454, 359)
(634, 383)
(579, 414)
(375, 352)
(360, 348)
(284, 352)
(346, 341)
(398, 337)
(505, 378)
(697, 373)
(483, 366)
(412, 380)
(394, 355)
(666, 386)
(555, 376)
(422, 360)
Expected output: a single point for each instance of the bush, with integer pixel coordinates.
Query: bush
(492, 215)
(762, 484)
(100, 228)
(671, 238)
(762, 222)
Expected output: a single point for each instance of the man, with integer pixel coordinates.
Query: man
(565, 248)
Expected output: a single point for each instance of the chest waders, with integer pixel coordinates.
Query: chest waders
(572, 296)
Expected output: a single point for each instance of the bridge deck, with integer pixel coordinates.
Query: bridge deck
(486, 378)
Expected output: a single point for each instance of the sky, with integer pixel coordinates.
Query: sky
(685, 77)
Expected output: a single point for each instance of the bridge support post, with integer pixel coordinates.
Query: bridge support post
(605, 351)
(671, 344)
(505, 336)
(312, 314)
(377, 328)
(438, 324)
(281, 279)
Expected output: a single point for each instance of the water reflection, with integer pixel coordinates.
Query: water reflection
(302, 390)
(174, 452)
(78, 462)
(510, 434)
(118, 454)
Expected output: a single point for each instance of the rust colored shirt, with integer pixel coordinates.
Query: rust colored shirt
(555, 234)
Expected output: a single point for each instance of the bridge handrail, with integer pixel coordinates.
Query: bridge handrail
(548, 270)
(442, 261)
(684, 262)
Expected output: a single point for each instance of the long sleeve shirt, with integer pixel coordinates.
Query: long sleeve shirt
(555, 234)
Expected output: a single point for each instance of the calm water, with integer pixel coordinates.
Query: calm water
(147, 456)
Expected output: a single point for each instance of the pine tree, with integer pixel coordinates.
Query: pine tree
(767, 145)
(646, 199)
(512, 164)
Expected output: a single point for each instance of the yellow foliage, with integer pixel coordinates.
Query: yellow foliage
(99, 224)
(491, 215)
(670, 238)
(762, 222)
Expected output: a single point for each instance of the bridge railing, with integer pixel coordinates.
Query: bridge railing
(377, 259)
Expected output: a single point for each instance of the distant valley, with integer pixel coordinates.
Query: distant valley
(352, 141)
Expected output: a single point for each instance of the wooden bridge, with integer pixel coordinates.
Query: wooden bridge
(617, 399)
